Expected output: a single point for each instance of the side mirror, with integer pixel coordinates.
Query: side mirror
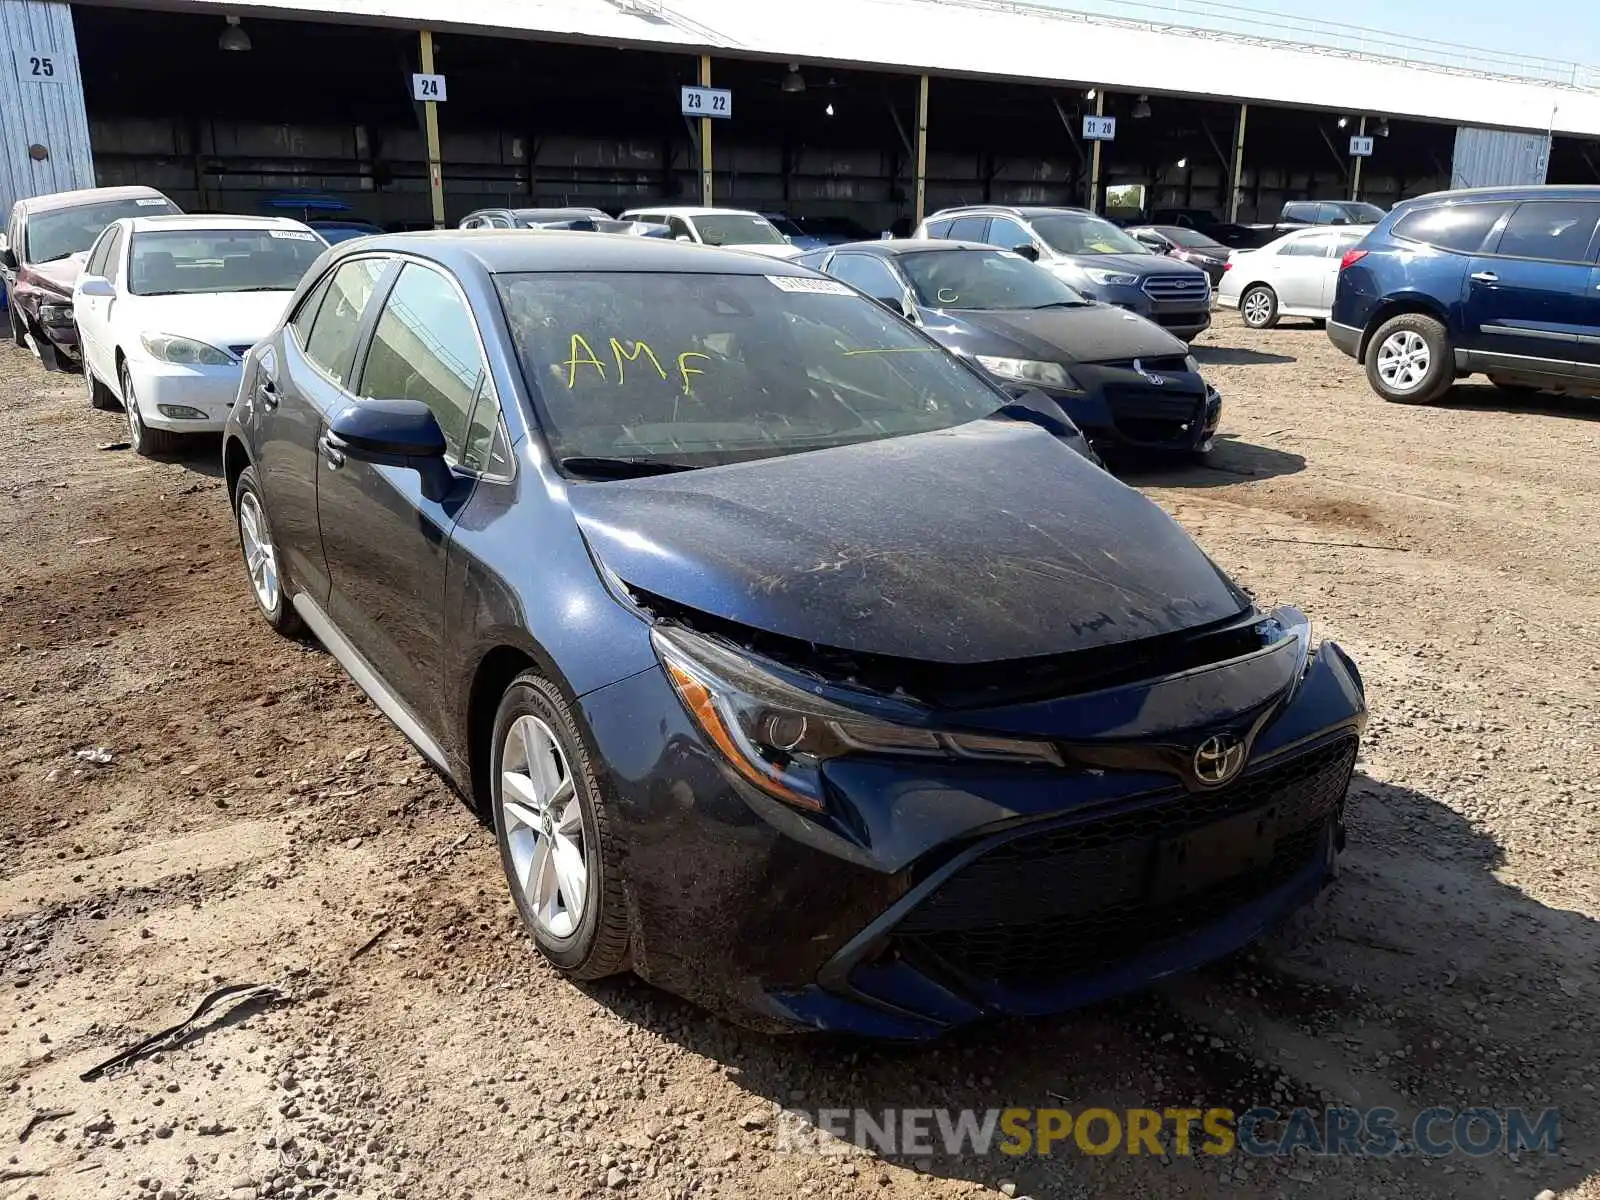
(93, 287)
(8, 256)
(895, 304)
(1028, 251)
(393, 433)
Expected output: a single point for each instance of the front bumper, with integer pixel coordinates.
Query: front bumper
(169, 391)
(936, 894)
(1131, 417)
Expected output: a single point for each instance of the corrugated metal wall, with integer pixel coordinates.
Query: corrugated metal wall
(1499, 158)
(41, 103)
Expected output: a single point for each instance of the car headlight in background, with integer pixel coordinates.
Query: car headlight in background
(186, 351)
(1027, 370)
(778, 736)
(55, 314)
(1191, 364)
(1111, 278)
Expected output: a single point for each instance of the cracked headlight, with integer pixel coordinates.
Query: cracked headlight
(777, 736)
(185, 351)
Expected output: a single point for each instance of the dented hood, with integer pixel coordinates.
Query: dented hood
(988, 542)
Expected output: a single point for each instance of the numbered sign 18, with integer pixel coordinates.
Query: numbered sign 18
(428, 87)
(707, 102)
(1360, 147)
(1099, 129)
(41, 66)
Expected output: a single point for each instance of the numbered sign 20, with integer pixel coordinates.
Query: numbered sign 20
(41, 66)
(1099, 129)
(428, 87)
(707, 102)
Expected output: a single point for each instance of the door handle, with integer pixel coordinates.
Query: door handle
(267, 393)
(332, 451)
(1486, 277)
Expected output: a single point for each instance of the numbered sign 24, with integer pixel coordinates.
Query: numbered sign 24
(707, 102)
(41, 66)
(428, 87)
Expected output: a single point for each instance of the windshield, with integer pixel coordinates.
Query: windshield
(704, 369)
(182, 262)
(1191, 239)
(68, 231)
(978, 279)
(737, 229)
(1082, 234)
(1363, 214)
(786, 227)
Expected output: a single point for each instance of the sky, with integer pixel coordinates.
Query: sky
(1562, 29)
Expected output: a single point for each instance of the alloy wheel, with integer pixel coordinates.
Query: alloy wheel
(259, 555)
(543, 822)
(1257, 308)
(130, 406)
(1403, 360)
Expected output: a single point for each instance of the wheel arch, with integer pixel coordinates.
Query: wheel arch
(235, 458)
(497, 666)
(1398, 306)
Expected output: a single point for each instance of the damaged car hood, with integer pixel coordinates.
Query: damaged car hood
(987, 542)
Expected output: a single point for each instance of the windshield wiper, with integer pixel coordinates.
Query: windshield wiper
(621, 468)
(1062, 304)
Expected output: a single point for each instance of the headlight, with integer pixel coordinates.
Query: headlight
(1026, 370)
(1111, 278)
(1190, 364)
(777, 736)
(55, 314)
(170, 348)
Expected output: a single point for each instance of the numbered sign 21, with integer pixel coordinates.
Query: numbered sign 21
(1099, 129)
(41, 66)
(707, 102)
(428, 87)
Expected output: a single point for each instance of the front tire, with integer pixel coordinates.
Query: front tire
(1259, 306)
(146, 442)
(553, 830)
(269, 583)
(1410, 360)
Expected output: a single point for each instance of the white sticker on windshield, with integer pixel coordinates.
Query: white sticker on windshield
(153, 202)
(816, 287)
(292, 235)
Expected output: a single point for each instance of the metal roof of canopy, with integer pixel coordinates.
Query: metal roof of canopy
(999, 40)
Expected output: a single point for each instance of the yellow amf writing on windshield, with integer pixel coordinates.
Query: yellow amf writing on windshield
(581, 355)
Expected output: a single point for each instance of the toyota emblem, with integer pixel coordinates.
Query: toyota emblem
(1148, 375)
(1218, 759)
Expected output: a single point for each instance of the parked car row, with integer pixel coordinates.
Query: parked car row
(845, 690)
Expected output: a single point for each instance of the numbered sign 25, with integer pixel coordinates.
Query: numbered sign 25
(428, 87)
(707, 102)
(41, 66)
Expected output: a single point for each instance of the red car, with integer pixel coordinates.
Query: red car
(42, 254)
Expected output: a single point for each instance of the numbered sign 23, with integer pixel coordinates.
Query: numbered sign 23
(428, 87)
(707, 102)
(41, 66)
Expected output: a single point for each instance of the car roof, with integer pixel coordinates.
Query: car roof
(686, 210)
(175, 222)
(1025, 210)
(85, 196)
(506, 252)
(1543, 191)
(898, 246)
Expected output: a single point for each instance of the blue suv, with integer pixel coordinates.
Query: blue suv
(1496, 281)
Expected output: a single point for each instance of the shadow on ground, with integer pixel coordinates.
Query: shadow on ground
(1371, 996)
(1231, 461)
(1485, 397)
(1237, 356)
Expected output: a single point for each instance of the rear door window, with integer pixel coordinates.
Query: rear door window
(333, 333)
(939, 229)
(969, 229)
(1308, 247)
(1306, 213)
(1459, 227)
(1559, 230)
(1332, 214)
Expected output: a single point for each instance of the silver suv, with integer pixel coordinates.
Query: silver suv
(1092, 256)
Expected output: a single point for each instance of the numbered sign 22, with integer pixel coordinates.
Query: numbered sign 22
(707, 102)
(1099, 129)
(428, 87)
(41, 66)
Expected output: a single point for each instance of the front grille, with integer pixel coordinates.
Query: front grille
(1154, 416)
(1049, 905)
(1177, 287)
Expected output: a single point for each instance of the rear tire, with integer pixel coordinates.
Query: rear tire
(146, 442)
(99, 394)
(269, 582)
(1259, 306)
(1410, 360)
(553, 829)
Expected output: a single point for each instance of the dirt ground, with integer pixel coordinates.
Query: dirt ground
(259, 822)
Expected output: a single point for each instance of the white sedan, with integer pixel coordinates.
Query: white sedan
(1294, 276)
(732, 228)
(167, 308)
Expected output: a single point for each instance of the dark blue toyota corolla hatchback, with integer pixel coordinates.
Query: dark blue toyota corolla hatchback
(799, 668)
